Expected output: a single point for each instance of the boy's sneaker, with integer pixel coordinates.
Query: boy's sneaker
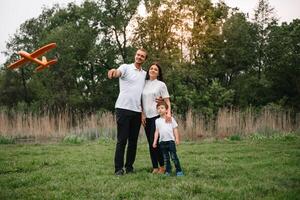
(119, 172)
(167, 174)
(179, 173)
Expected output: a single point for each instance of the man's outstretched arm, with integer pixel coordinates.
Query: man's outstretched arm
(114, 73)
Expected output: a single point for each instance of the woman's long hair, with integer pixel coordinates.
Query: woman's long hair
(160, 74)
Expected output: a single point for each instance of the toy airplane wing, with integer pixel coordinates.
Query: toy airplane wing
(33, 56)
(18, 63)
(45, 64)
(43, 50)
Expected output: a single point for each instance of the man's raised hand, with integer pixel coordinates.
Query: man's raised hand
(113, 73)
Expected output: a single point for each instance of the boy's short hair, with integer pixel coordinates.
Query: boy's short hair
(162, 103)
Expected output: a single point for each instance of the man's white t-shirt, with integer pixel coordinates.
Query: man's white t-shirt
(165, 129)
(131, 85)
(152, 90)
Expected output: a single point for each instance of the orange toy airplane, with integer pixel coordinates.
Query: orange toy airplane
(26, 57)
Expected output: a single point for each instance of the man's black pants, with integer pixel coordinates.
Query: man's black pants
(128, 127)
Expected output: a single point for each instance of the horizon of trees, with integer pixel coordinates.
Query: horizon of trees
(212, 56)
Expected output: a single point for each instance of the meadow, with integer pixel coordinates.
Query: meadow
(234, 168)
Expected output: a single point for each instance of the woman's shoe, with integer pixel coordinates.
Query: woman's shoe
(161, 170)
(155, 171)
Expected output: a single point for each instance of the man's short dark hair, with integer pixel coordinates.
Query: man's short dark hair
(144, 50)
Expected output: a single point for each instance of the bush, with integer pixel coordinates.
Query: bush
(257, 136)
(235, 138)
(105, 140)
(289, 136)
(275, 136)
(6, 140)
(73, 139)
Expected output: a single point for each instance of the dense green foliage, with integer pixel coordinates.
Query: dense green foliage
(247, 169)
(212, 56)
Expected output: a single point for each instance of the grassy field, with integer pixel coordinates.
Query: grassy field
(246, 169)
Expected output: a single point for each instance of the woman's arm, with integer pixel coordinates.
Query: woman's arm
(143, 116)
(169, 113)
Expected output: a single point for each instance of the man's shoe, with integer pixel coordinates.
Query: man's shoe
(179, 173)
(119, 172)
(129, 171)
(155, 171)
(167, 174)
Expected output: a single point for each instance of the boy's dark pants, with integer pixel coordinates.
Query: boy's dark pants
(155, 153)
(128, 127)
(168, 149)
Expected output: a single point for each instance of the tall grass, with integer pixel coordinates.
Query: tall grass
(228, 122)
(235, 122)
(28, 126)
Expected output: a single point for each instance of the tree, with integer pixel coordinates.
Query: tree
(114, 17)
(263, 18)
(27, 38)
(157, 32)
(283, 70)
(86, 52)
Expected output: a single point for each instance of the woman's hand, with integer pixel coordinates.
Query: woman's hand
(154, 145)
(159, 99)
(143, 119)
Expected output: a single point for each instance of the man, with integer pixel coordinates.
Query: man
(128, 110)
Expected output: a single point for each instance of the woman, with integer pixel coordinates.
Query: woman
(154, 89)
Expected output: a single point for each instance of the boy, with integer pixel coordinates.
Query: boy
(168, 135)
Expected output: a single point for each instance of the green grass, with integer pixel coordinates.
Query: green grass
(246, 169)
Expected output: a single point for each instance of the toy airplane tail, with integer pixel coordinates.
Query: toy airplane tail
(45, 64)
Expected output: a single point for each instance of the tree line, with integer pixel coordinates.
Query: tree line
(212, 56)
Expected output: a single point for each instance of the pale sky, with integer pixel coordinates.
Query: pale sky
(15, 12)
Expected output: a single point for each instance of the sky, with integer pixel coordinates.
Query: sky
(15, 12)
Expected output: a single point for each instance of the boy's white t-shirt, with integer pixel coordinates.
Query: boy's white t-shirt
(131, 85)
(165, 129)
(152, 90)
